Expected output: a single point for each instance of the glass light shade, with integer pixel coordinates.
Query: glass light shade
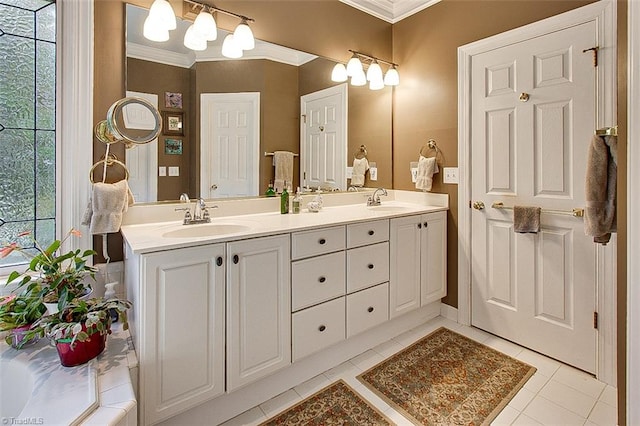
(392, 78)
(376, 84)
(205, 26)
(153, 30)
(243, 36)
(359, 79)
(339, 73)
(354, 66)
(374, 72)
(193, 40)
(162, 11)
(230, 48)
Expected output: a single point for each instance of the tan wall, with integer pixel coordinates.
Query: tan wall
(152, 77)
(425, 104)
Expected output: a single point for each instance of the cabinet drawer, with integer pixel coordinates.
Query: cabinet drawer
(360, 234)
(317, 279)
(318, 327)
(367, 266)
(319, 241)
(367, 308)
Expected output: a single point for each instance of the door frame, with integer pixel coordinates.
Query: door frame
(205, 149)
(604, 14)
(342, 90)
(149, 150)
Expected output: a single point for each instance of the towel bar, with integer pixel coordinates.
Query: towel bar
(607, 131)
(271, 154)
(573, 212)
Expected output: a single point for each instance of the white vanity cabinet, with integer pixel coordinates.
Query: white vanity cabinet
(258, 308)
(178, 327)
(417, 261)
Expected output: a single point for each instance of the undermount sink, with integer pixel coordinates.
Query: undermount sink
(206, 230)
(387, 208)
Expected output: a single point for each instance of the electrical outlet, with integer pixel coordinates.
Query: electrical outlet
(450, 175)
(162, 171)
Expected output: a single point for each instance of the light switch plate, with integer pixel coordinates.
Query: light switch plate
(349, 172)
(450, 175)
(174, 171)
(162, 171)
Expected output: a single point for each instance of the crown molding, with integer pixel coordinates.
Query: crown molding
(391, 11)
(161, 56)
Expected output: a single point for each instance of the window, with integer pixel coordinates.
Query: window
(27, 122)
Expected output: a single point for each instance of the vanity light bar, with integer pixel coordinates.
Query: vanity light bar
(194, 6)
(371, 58)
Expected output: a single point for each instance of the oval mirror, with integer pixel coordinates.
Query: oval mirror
(133, 120)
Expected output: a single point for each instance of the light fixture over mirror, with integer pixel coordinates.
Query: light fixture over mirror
(355, 70)
(162, 19)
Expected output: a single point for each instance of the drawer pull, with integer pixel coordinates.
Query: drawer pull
(426, 224)
(219, 261)
(370, 309)
(370, 266)
(322, 241)
(419, 226)
(322, 328)
(371, 232)
(322, 279)
(236, 259)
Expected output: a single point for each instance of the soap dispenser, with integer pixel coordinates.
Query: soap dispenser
(270, 191)
(297, 201)
(284, 200)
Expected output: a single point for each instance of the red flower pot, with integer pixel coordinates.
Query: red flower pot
(81, 352)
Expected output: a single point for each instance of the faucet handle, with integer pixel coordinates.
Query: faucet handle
(187, 214)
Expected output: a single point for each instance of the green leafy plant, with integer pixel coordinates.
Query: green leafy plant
(20, 310)
(81, 319)
(60, 277)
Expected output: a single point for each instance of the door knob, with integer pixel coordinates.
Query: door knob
(524, 97)
(478, 205)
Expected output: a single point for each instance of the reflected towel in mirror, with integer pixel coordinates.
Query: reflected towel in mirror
(360, 167)
(283, 162)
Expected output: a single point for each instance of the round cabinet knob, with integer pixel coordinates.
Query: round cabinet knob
(426, 224)
(322, 328)
(322, 241)
(370, 309)
(370, 266)
(371, 232)
(322, 279)
(236, 259)
(419, 226)
(219, 261)
(478, 205)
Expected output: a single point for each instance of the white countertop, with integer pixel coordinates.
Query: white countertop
(147, 238)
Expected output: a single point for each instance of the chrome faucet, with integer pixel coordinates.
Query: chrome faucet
(200, 212)
(374, 199)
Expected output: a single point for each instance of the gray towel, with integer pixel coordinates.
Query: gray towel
(283, 162)
(600, 188)
(526, 219)
(108, 202)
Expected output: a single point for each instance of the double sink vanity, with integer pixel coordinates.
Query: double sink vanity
(231, 313)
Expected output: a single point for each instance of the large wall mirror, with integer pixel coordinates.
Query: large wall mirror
(191, 88)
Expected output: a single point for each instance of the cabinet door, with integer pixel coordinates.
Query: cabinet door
(404, 264)
(182, 355)
(433, 280)
(258, 309)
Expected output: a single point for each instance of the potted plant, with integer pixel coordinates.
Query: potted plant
(60, 277)
(80, 328)
(17, 315)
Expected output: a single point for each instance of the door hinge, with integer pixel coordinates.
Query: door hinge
(595, 54)
(469, 203)
(304, 118)
(595, 320)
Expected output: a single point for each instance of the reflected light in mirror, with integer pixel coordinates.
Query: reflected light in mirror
(153, 30)
(359, 78)
(339, 73)
(243, 36)
(193, 40)
(205, 26)
(230, 48)
(163, 14)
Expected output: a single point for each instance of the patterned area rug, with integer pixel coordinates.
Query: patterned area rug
(337, 404)
(447, 379)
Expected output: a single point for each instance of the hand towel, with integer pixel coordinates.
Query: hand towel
(108, 201)
(526, 219)
(600, 188)
(360, 167)
(427, 166)
(283, 162)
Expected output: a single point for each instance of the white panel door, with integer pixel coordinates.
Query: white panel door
(259, 308)
(142, 160)
(535, 289)
(229, 144)
(323, 158)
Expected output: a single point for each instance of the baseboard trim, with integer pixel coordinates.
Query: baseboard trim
(449, 312)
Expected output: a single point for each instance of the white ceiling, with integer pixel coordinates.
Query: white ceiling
(390, 10)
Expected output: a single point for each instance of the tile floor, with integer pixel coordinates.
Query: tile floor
(556, 394)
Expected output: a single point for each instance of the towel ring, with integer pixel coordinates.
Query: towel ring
(108, 162)
(362, 153)
(431, 144)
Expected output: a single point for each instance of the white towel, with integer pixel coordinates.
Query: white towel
(360, 167)
(108, 202)
(427, 166)
(283, 162)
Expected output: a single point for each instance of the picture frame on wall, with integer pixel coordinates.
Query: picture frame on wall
(173, 123)
(173, 146)
(173, 100)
